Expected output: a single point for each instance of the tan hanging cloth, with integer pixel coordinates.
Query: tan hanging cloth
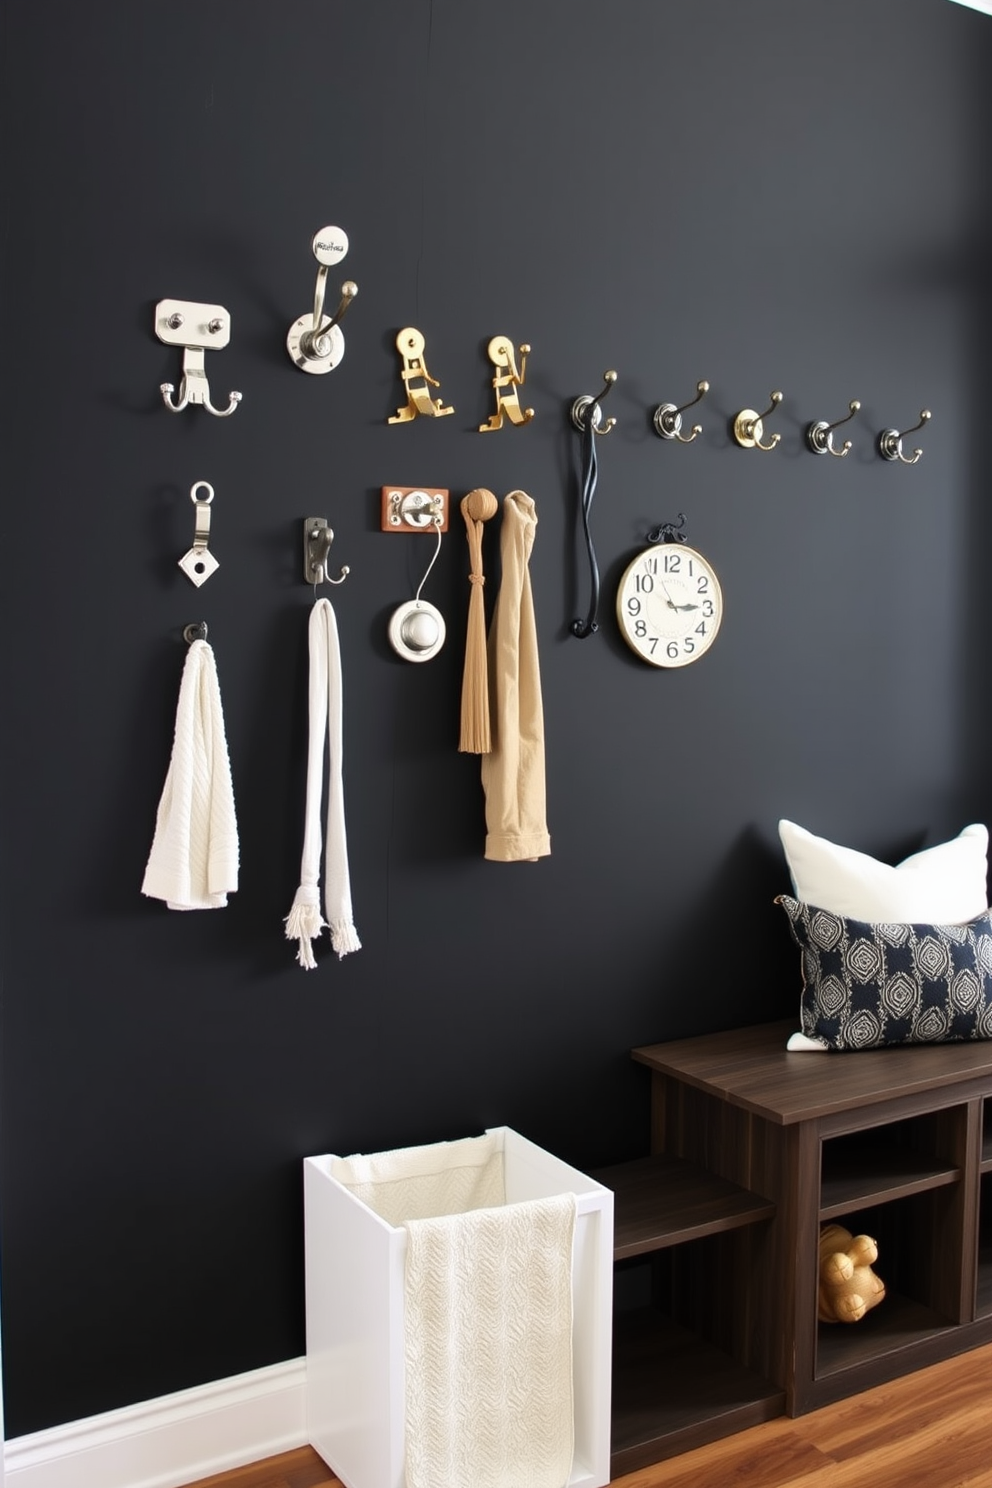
(476, 738)
(513, 771)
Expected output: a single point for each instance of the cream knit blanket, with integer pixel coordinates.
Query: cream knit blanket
(193, 862)
(489, 1347)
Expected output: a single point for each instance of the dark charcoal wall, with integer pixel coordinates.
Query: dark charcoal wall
(776, 195)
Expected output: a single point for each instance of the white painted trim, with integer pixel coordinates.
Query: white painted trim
(984, 5)
(171, 1441)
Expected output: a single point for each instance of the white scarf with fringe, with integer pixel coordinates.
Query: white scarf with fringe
(304, 922)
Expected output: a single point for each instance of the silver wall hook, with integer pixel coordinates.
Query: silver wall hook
(317, 539)
(820, 437)
(196, 328)
(890, 441)
(748, 427)
(313, 344)
(668, 418)
(586, 410)
(199, 563)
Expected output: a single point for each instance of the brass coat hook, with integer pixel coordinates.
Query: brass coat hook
(748, 427)
(505, 383)
(586, 411)
(820, 438)
(415, 376)
(890, 441)
(668, 418)
(312, 345)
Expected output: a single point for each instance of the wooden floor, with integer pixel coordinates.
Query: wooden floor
(926, 1430)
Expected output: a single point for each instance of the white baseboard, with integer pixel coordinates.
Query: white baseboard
(171, 1441)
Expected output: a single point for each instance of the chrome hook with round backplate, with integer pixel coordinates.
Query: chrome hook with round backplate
(313, 345)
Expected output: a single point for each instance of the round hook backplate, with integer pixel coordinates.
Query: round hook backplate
(580, 412)
(417, 630)
(318, 364)
(668, 421)
(748, 428)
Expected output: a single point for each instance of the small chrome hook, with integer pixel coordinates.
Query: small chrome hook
(668, 418)
(890, 440)
(819, 436)
(586, 410)
(317, 539)
(199, 563)
(196, 328)
(313, 345)
(196, 630)
(748, 427)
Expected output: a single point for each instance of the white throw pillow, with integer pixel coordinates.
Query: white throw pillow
(943, 885)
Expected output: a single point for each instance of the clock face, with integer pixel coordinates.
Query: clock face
(669, 605)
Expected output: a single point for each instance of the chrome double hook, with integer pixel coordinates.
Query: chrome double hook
(748, 426)
(890, 441)
(313, 345)
(196, 328)
(668, 418)
(317, 539)
(820, 437)
(587, 411)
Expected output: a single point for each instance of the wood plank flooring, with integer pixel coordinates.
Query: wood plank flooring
(927, 1430)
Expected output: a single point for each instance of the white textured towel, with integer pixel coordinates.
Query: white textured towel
(426, 1182)
(489, 1347)
(304, 922)
(193, 863)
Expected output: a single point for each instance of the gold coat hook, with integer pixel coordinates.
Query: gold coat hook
(819, 436)
(586, 410)
(415, 376)
(506, 382)
(748, 427)
(890, 441)
(668, 418)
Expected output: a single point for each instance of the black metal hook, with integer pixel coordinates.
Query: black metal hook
(590, 472)
(668, 531)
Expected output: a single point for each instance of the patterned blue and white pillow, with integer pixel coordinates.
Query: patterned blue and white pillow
(866, 985)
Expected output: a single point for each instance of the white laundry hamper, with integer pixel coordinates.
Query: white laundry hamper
(355, 1302)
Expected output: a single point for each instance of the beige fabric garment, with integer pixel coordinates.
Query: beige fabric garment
(513, 772)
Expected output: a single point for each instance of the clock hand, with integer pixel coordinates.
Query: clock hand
(671, 603)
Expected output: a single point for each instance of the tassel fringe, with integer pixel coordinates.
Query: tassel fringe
(304, 923)
(344, 938)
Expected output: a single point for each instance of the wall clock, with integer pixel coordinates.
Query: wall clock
(669, 601)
